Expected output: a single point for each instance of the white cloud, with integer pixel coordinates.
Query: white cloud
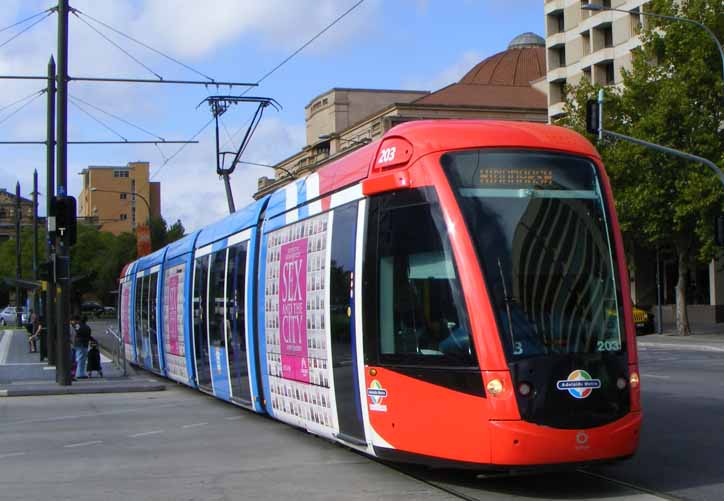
(191, 190)
(446, 76)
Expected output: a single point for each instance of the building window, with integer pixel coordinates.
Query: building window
(120, 173)
(604, 73)
(124, 196)
(586, 42)
(635, 21)
(124, 217)
(555, 23)
(587, 74)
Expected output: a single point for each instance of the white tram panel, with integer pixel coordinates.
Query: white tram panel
(298, 342)
(174, 343)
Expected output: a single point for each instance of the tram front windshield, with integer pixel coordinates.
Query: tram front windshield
(540, 228)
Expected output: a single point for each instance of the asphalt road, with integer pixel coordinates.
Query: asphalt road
(180, 444)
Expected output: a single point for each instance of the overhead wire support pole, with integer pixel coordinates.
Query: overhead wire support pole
(50, 309)
(62, 373)
(103, 142)
(219, 105)
(207, 83)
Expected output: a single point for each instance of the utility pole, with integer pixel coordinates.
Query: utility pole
(18, 303)
(35, 238)
(50, 216)
(63, 365)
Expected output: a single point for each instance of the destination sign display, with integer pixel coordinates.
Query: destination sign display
(496, 176)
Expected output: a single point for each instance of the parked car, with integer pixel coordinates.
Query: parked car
(643, 320)
(91, 308)
(9, 315)
(109, 310)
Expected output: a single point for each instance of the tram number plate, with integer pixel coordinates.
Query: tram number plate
(608, 346)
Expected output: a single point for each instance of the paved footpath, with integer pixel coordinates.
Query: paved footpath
(23, 374)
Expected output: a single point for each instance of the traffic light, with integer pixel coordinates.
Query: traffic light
(592, 116)
(65, 218)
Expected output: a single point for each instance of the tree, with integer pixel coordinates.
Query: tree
(664, 201)
(162, 235)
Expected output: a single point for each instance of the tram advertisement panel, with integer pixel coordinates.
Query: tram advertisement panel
(296, 327)
(292, 310)
(125, 313)
(173, 310)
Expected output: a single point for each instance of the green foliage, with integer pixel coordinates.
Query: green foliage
(162, 235)
(7, 254)
(678, 102)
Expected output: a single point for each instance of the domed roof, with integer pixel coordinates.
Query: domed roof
(527, 39)
(502, 80)
(523, 62)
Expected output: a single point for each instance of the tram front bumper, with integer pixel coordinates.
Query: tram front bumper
(520, 443)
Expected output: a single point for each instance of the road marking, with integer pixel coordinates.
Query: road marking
(5, 343)
(82, 444)
(96, 414)
(623, 483)
(194, 425)
(233, 418)
(684, 347)
(656, 376)
(146, 433)
(12, 455)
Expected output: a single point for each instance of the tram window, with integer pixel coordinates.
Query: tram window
(420, 310)
(202, 267)
(152, 288)
(216, 298)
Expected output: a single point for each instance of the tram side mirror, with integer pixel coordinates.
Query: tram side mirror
(719, 231)
(592, 116)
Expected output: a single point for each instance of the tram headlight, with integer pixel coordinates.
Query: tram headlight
(495, 387)
(525, 389)
(621, 383)
(634, 379)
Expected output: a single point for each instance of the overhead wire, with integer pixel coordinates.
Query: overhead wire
(306, 44)
(118, 47)
(51, 10)
(182, 148)
(96, 119)
(120, 119)
(16, 35)
(292, 55)
(32, 94)
(119, 32)
(15, 112)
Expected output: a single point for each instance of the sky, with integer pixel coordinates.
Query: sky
(381, 44)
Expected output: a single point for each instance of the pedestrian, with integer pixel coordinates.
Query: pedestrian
(82, 340)
(42, 334)
(33, 330)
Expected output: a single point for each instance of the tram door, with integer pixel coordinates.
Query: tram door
(236, 322)
(217, 326)
(138, 309)
(201, 341)
(152, 334)
(344, 352)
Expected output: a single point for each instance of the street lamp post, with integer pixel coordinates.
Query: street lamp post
(142, 250)
(601, 8)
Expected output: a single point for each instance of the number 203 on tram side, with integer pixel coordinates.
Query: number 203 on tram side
(453, 294)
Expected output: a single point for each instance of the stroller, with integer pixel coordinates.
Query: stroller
(94, 359)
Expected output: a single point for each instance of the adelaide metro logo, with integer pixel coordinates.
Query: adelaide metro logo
(377, 394)
(579, 384)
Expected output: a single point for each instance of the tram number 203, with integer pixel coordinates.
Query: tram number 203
(608, 346)
(387, 155)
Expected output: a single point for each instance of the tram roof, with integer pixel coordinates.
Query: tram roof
(427, 136)
(233, 223)
(182, 246)
(152, 259)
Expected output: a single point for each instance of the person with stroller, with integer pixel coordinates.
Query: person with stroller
(80, 345)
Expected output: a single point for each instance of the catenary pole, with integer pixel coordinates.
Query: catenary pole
(50, 305)
(63, 364)
(18, 215)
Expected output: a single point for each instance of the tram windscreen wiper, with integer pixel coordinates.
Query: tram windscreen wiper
(507, 300)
